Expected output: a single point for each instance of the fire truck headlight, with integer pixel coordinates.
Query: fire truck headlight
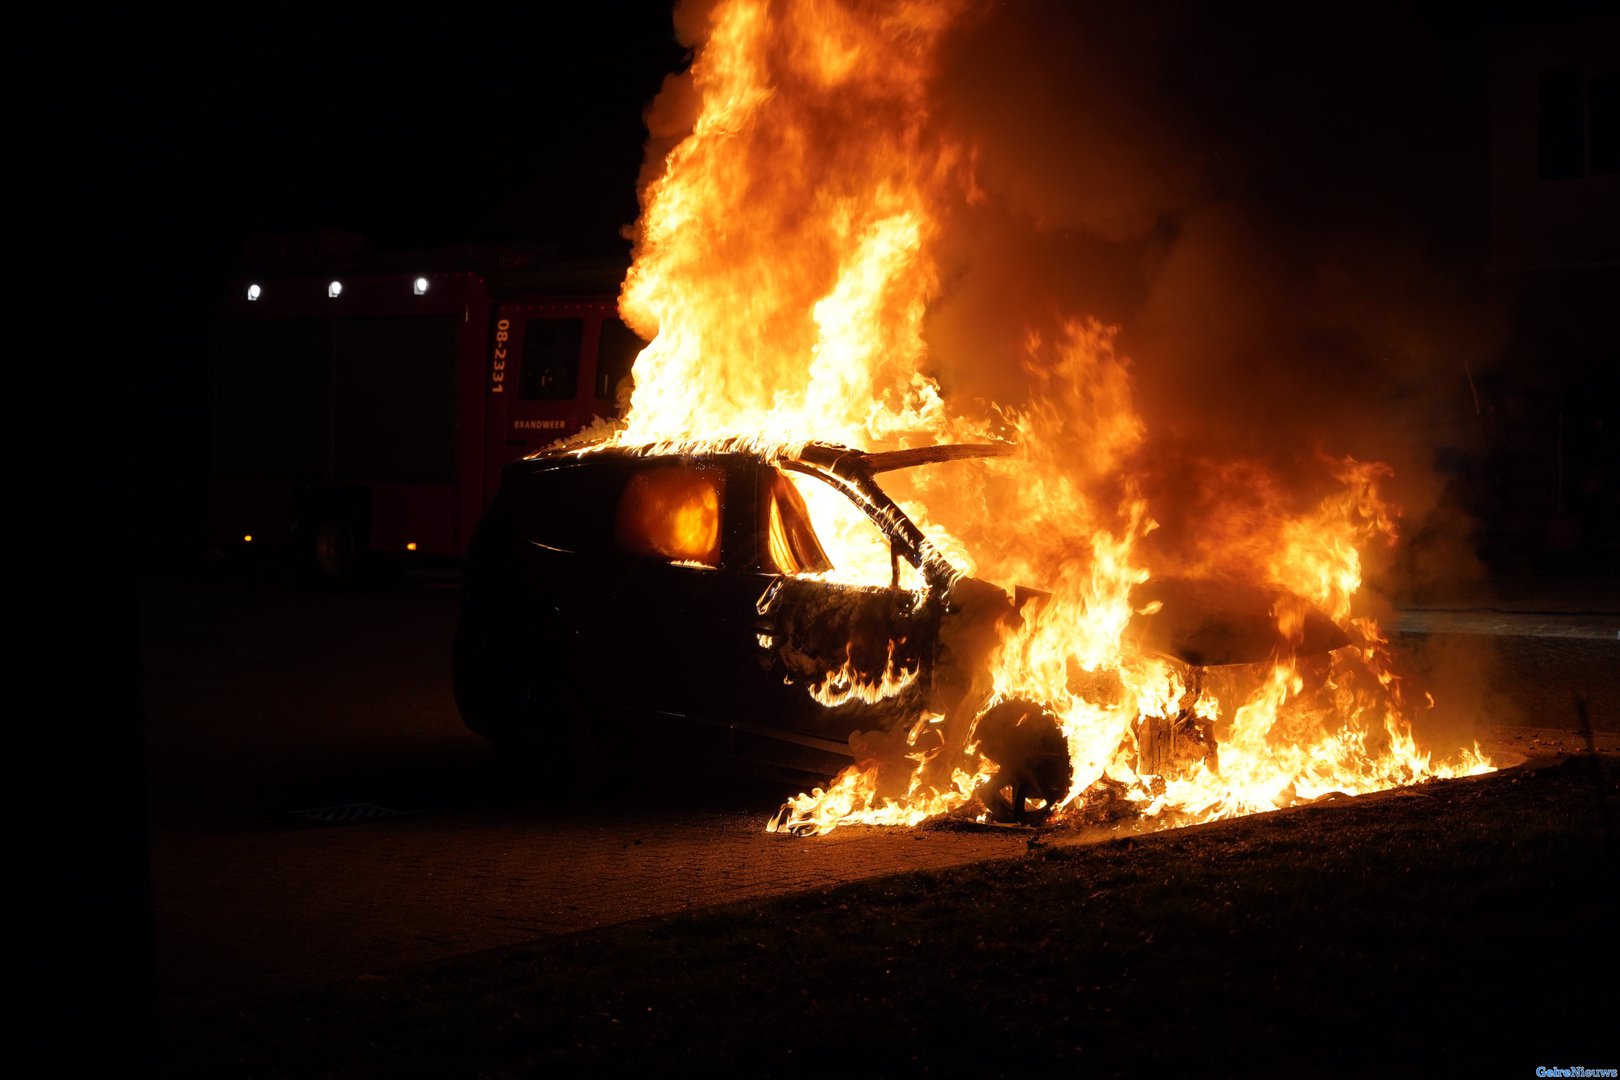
(335, 289)
(253, 292)
(419, 286)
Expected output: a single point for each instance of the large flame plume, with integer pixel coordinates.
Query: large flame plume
(787, 258)
(784, 258)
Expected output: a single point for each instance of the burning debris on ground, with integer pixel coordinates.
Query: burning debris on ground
(1007, 633)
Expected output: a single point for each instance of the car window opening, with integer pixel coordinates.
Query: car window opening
(861, 553)
(673, 513)
(791, 540)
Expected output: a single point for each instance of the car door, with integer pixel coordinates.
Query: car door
(838, 656)
(675, 616)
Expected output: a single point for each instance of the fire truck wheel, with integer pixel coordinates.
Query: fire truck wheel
(335, 549)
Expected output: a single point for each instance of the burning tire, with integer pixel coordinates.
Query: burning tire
(1032, 759)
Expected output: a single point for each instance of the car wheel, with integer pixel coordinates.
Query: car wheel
(486, 681)
(1033, 772)
(515, 687)
(557, 755)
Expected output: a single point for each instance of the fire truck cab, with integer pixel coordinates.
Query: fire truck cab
(369, 414)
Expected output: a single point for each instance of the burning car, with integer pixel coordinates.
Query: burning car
(621, 599)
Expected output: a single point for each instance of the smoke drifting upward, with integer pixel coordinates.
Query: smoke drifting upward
(1266, 205)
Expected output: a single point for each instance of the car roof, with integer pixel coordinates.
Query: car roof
(831, 457)
(873, 462)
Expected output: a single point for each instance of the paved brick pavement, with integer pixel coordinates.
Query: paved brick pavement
(245, 913)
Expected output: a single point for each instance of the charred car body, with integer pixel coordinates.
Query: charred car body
(621, 602)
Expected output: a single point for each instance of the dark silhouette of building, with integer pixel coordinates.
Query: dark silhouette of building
(1554, 269)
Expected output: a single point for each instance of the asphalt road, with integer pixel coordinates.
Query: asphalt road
(318, 812)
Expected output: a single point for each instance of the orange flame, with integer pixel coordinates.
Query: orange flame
(786, 259)
(783, 265)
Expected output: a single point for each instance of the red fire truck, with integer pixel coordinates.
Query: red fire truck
(362, 414)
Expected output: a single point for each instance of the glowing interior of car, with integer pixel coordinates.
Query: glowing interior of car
(791, 542)
(673, 513)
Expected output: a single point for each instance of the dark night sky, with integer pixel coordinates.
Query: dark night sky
(485, 120)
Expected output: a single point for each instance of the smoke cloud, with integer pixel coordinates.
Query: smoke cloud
(1249, 196)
